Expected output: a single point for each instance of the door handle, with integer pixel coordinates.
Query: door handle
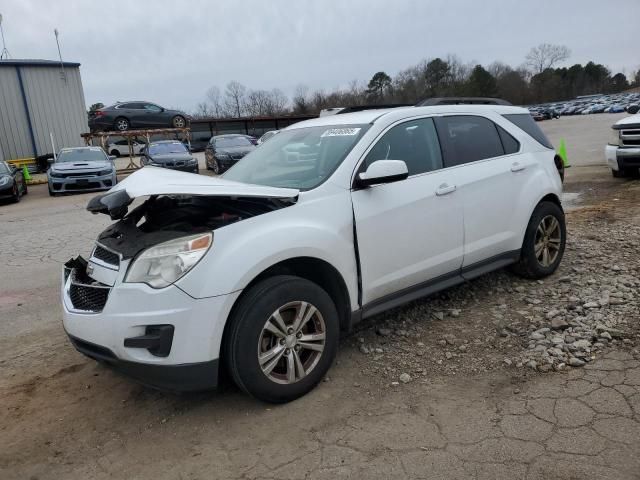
(445, 189)
(517, 167)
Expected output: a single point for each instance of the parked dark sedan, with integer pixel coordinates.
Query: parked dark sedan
(130, 115)
(12, 184)
(170, 154)
(224, 151)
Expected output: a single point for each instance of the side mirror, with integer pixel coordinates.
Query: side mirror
(51, 161)
(383, 171)
(112, 157)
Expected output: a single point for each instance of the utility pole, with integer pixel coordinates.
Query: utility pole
(63, 75)
(5, 53)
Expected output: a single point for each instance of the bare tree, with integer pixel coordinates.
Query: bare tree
(279, 102)
(235, 97)
(546, 56)
(215, 102)
(301, 99)
(203, 110)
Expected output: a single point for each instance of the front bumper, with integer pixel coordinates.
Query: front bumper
(622, 157)
(193, 167)
(81, 183)
(6, 190)
(129, 311)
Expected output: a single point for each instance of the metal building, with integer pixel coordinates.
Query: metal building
(40, 99)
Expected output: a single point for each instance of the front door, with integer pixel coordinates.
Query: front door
(411, 231)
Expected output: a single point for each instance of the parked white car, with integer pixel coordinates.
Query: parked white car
(623, 150)
(260, 270)
(121, 148)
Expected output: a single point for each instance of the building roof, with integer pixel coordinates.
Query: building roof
(27, 62)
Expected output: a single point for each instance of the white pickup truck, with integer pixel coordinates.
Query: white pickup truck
(623, 149)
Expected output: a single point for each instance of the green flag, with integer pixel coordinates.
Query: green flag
(562, 153)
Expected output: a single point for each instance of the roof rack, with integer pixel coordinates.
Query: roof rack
(430, 102)
(360, 108)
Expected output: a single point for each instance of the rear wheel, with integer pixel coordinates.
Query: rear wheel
(281, 339)
(544, 242)
(115, 153)
(620, 173)
(121, 124)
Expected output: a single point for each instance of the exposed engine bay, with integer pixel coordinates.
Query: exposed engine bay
(161, 218)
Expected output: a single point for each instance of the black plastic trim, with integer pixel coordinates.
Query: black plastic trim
(157, 339)
(435, 285)
(185, 377)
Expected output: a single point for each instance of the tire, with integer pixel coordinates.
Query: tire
(178, 122)
(530, 264)
(115, 153)
(215, 166)
(121, 124)
(16, 193)
(25, 189)
(618, 173)
(52, 193)
(246, 336)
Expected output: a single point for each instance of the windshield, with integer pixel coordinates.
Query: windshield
(162, 148)
(82, 155)
(301, 158)
(232, 142)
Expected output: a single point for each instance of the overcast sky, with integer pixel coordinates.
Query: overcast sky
(171, 52)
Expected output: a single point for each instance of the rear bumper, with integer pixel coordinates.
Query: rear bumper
(622, 157)
(187, 377)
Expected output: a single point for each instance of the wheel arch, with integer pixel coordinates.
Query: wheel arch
(318, 271)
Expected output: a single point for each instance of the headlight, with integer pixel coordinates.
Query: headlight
(162, 265)
(192, 160)
(4, 180)
(55, 174)
(614, 137)
(222, 156)
(105, 172)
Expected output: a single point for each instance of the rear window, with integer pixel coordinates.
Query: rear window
(526, 122)
(468, 138)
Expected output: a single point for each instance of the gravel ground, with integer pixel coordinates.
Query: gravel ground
(497, 378)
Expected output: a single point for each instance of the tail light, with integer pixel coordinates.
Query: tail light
(98, 113)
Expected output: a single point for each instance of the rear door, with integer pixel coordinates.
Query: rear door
(411, 231)
(491, 174)
(153, 116)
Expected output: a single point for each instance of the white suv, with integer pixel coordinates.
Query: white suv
(333, 220)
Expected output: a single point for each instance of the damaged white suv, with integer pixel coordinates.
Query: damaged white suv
(333, 220)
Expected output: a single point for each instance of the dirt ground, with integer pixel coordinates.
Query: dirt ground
(472, 406)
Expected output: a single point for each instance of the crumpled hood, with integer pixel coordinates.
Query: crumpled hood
(159, 181)
(69, 166)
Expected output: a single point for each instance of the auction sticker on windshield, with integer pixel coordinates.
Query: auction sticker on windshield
(341, 132)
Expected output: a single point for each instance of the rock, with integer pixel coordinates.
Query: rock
(615, 268)
(553, 313)
(536, 336)
(507, 362)
(606, 335)
(532, 364)
(614, 332)
(559, 323)
(438, 315)
(454, 312)
(462, 348)
(405, 378)
(383, 332)
(449, 355)
(591, 305)
(576, 362)
(364, 349)
(581, 344)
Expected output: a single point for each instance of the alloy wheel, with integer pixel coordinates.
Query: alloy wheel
(122, 125)
(291, 342)
(548, 241)
(178, 122)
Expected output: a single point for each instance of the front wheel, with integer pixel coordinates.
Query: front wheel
(281, 339)
(178, 122)
(544, 242)
(215, 166)
(16, 193)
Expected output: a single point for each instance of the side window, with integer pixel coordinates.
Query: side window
(510, 144)
(152, 108)
(468, 138)
(414, 142)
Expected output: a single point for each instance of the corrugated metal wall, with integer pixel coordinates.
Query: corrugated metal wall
(14, 129)
(54, 106)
